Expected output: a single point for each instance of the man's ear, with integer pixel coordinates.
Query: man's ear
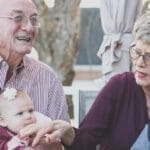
(2, 122)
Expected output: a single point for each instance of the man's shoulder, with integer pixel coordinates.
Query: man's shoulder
(37, 64)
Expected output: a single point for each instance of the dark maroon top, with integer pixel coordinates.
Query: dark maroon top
(116, 118)
(5, 136)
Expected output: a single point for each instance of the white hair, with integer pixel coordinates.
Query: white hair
(141, 30)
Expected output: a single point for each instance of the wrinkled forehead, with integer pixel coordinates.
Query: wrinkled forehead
(9, 6)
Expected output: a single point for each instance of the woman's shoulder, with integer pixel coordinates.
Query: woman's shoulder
(120, 82)
(123, 77)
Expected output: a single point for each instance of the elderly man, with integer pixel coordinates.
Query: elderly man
(19, 27)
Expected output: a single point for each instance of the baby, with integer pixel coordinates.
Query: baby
(17, 112)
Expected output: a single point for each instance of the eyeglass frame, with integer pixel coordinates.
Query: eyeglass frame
(24, 19)
(138, 55)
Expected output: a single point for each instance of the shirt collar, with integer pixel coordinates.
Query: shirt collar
(18, 68)
(22, 64)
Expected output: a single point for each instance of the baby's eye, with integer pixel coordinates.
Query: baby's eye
(31, 111)
(20, 113)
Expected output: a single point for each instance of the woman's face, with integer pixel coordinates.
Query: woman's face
(141, 65)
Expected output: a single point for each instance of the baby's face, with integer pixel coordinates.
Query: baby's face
(18, 113)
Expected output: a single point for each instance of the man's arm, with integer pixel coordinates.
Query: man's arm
(58, 108)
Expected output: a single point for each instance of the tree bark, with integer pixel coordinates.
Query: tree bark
(58, 40)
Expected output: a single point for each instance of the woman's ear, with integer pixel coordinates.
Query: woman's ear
(2, 122)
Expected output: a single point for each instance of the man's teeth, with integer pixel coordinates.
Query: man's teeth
(23, 38)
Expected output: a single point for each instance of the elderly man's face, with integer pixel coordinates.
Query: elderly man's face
(18, 26)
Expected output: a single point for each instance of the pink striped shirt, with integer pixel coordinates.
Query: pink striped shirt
(41, 84)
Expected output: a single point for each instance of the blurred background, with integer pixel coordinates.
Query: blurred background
(70, 36)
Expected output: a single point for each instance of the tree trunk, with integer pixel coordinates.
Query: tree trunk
(59, 36)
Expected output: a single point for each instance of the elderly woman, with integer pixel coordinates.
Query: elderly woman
(120, 116)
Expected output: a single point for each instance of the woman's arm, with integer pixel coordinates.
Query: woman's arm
(63, 130)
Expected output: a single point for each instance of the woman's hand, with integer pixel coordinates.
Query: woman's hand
(36, 131)
(56, 130)
(62, 130)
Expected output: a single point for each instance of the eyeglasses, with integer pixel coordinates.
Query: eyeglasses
(22, 19)
(135, 54)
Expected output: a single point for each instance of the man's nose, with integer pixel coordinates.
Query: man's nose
(27, 25)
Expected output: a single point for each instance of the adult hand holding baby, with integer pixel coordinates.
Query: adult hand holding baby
(39, 129)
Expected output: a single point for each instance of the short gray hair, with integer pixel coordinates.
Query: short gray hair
(141, 30)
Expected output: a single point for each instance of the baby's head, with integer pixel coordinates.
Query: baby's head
(16, 110)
